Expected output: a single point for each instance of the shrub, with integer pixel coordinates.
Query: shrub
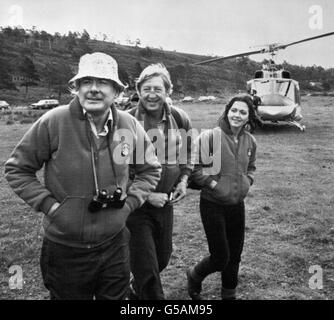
(26, 120)
(146, 52)
(10, 121)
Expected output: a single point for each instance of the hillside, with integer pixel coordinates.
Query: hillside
(55, 60)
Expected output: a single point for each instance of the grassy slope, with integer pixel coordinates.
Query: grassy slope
(289, 216)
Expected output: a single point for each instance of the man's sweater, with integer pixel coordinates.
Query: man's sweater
(62, 141)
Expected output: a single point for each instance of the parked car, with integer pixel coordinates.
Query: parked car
(122, 100)
(187, 99)
(45, 104)
(206, 98)
(3, 105)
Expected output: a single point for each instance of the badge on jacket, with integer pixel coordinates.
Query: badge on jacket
(125, 149)
(249, 152)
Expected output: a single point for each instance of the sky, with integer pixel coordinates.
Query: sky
(208, 27)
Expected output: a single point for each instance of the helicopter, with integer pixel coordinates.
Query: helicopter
(275, 94)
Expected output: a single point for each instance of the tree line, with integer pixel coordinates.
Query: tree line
(47, 60)
(20, 53)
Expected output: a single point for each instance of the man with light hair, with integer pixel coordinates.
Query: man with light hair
(84, 198)
(151, 225)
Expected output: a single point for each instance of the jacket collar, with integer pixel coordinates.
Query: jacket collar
(167, 110)
(77, 111)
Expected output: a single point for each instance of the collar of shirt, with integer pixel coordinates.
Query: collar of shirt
(105, 129)
(163, 119)
(142, 112)
(162, 122)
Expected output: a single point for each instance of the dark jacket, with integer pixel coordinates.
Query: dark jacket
(232, 165)
(176, 160)
(61, 140)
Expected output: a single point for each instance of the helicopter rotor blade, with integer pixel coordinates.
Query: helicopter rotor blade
(283, 46)
(230, 57)
(270, 48)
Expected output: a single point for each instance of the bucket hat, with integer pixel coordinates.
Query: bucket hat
(98, 65)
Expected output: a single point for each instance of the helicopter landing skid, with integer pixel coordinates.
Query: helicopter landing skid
(298, 125)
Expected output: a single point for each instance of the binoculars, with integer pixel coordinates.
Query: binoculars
(104, 200)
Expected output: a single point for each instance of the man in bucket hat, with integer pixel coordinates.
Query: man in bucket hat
(84, 198)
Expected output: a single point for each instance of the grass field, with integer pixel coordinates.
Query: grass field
(289, 215)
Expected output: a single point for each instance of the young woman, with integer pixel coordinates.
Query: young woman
(224, 188)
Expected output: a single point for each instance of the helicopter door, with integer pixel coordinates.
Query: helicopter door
(288, 89)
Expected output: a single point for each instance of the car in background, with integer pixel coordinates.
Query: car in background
(187, 99)
(45, 104)
(206, 98)
(122, 99)
(3, 105)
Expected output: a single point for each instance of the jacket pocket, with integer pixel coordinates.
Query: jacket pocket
(245, 185)
(223, 189)
(109, 222)
(67, 221)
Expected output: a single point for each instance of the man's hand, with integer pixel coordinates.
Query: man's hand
(180, 191)
(157, 199)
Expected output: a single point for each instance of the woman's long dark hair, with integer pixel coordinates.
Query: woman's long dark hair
(253, 119)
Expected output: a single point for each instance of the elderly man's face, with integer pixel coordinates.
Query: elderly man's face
(153, 94)
(96, 95)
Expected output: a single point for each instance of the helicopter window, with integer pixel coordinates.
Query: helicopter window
(262, 87)
(284, 88)
(258, 74)
(286, 74)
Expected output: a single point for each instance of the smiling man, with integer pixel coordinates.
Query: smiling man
(85, 196)
(151, 225)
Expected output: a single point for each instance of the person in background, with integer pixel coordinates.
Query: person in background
(256, 99)
(222, 206)
(151, 225)
(133, 101)
(84, 197)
